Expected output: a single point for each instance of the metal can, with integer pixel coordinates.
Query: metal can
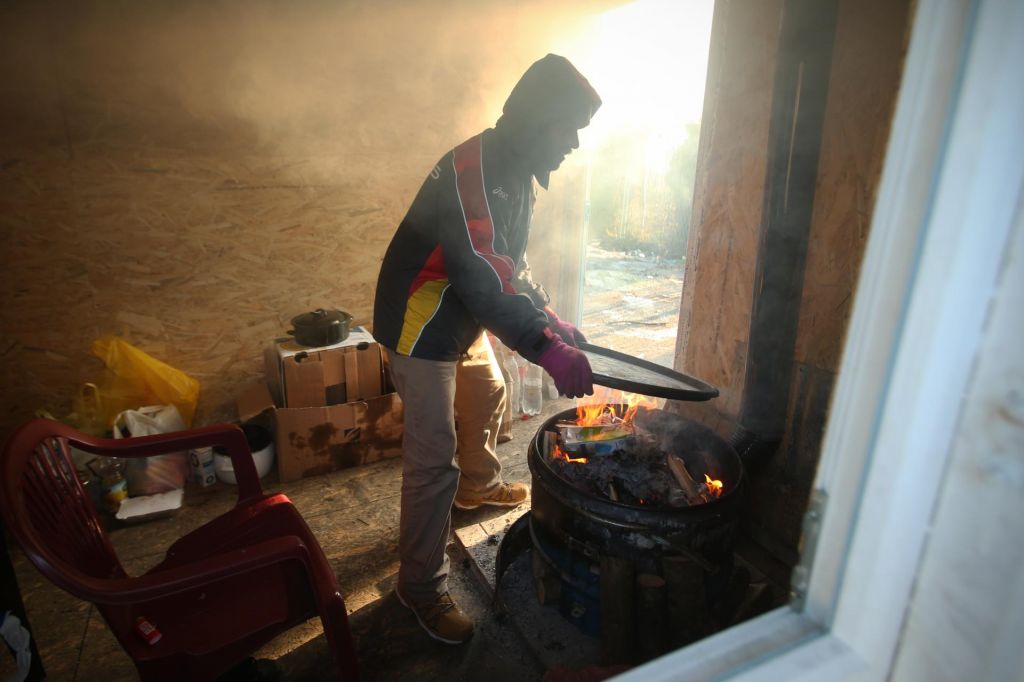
(147, 631)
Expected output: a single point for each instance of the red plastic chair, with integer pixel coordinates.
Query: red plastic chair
(221, 591)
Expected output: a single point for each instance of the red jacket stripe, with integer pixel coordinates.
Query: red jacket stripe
(473, 198)
(432, 270)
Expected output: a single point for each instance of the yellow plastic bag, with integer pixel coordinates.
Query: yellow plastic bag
(137, 379)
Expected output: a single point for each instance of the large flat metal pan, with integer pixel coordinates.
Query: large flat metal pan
(628, 373)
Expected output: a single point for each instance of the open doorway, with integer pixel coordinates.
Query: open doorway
(623, 200)
(641, 163)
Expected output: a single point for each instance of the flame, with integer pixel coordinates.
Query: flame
(602, 410)
(714, 485)
(558, 453)
(593, 415)
(634, 402)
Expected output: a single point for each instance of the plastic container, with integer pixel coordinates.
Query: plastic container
(533, 390)
(261, 442)
(512, 385)
(203, 466)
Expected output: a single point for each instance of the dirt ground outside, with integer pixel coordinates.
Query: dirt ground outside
(631, 303)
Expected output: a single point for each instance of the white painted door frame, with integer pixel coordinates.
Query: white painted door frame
(950, 190)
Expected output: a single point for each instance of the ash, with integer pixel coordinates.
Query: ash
(637, 475)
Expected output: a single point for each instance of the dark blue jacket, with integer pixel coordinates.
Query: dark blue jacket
(456, 263)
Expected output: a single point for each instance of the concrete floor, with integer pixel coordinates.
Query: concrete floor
(354, 514)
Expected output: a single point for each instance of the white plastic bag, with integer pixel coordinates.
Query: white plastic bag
(158, 473)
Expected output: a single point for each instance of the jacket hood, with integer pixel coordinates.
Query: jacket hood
(551, 89)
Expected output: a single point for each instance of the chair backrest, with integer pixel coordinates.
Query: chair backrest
(46, 508)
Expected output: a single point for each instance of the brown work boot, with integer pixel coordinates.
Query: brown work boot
(441, 618)
(505, 495)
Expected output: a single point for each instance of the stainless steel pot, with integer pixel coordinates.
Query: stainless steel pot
(321, 327)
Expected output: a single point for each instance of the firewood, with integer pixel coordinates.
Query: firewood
(693, 490)
(651, 617)
(688, 615)
(545, 581)
(616, 609)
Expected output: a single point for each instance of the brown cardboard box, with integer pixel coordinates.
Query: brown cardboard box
(316, 377)
(318, 439)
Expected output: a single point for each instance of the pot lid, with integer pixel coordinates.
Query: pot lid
(628, 373)
(320, 318)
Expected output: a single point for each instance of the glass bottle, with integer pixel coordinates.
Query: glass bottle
(114, 485)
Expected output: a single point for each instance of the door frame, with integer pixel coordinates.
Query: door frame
(948, 198)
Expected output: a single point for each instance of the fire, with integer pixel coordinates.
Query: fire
(601, 410)
(714, 486)
(594, 414)
(558, 453)
(634, 402)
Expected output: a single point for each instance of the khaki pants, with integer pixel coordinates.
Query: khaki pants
(434, 455)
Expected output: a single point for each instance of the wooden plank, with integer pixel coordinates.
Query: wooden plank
(802, 74)
(865, 75)
(688, 617)
(617, 610)
(652, 638)
(727, 206)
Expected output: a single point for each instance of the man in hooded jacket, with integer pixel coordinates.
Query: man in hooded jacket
(456, 267)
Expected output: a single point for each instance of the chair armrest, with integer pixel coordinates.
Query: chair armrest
(228, 436)
(171, 581)
(157, 444)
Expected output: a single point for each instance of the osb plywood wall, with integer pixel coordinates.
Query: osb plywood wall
(867, 63)
(190, 176)
(714, 321)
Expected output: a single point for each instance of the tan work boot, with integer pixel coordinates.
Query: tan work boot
(505, 495)
(441, 618)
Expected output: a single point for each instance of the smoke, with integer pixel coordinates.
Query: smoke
(672, 434)
(314, 77)
(165, 161)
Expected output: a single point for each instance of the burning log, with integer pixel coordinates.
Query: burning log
(695, 492)
(601, 454)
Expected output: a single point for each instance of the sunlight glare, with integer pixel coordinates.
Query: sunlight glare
(648, 60)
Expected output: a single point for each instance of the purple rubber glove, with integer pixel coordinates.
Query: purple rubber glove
(569, 368)
(569, 333)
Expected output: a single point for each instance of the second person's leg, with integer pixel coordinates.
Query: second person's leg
(479, 406)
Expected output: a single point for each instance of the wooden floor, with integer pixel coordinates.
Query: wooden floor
(354, 514)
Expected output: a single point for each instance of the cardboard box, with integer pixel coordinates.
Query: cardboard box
(316, 377)
(201, 461)
(318, 439)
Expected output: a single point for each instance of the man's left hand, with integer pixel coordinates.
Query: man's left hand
(568, 331)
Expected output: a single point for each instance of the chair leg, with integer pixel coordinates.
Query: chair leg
(339, 639)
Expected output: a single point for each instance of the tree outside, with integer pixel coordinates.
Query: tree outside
(637, 226)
